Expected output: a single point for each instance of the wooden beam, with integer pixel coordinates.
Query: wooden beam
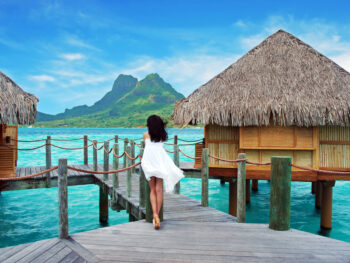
(86, 152)
(241, 189)
(205, 176)
(280, 185)
(62, 198)
(48, 161)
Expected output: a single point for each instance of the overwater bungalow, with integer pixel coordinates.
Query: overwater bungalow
(16, 107)
(282, 98)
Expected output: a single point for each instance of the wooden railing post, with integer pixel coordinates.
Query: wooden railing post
(48, 161)
(142, 180)
(106, 160)
(280, 184)
(241, 188)
(62, 198)
(94, 154)
(128, 173)
(126, 142)
(205, 176)
(116, 166)
(132, 154)
(86, 152)
(177, 163)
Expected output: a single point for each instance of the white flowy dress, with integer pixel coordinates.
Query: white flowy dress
(156, 162)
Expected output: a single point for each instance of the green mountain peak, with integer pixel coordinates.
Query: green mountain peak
(128, 104)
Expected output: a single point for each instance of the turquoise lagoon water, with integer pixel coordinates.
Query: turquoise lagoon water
(30, 215)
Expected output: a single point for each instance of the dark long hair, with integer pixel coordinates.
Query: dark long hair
(156, 128)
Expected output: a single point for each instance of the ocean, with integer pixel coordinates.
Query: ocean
(31, 215)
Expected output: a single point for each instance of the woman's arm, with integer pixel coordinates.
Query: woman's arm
(145, 136)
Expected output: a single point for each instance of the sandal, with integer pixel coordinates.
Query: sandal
(156, 222)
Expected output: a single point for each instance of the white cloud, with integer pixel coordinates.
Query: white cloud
(240, 23)
(43, 78)
(185, 74)
(76, 42)
(343, 60)
(73, 56)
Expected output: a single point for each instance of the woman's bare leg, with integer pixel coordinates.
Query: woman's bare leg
(153, 195)
(159, 192)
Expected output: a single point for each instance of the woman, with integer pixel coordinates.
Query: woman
(157, 165)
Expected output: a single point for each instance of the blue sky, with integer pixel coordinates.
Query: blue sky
(69, 53)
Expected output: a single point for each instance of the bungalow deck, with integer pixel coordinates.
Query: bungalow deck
(189, 233)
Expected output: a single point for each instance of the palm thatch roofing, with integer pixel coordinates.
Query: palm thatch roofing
(16, 105)
(282, 81)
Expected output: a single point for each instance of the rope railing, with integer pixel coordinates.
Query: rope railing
(66, 148)
(130, 157)
(182, 140)
(40, 140)
(24, 149)
(118, 156)
(105, 150)
(97, 149)
(66, 140)
(318, 170)
(188, 156)
(29, 176)
(168, 151)
(103, 172)
(108, 140)
(225, 160)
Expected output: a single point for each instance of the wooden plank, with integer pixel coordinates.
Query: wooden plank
(80, 250)
(45, 257)
(32, 255)
(23, 252)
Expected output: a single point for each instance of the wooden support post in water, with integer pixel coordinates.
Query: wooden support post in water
(132, 154)
(255, 185)
(86, 152)
(232, 202)
(94, 154)
(177, 163)
(280, 180)
(48, 161)
(313, 187)
(126, 142)
(318, 195)
(62, 198)
(326, 210)
(222, 181)
(106, 160)
(128, 173)
(115, 178)
(142, 180)
(205, 176)
(241, 188)
(103, 203)
(247, 183)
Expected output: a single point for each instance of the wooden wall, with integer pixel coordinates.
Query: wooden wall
(222, 142)
(260, 143)
(335, 148)
(8, 156)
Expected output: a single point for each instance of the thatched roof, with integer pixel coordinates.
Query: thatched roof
(16, 105)
(282, 81)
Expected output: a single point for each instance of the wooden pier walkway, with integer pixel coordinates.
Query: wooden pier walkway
(189, 233)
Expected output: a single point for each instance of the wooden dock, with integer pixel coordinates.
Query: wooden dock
(189, 233)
